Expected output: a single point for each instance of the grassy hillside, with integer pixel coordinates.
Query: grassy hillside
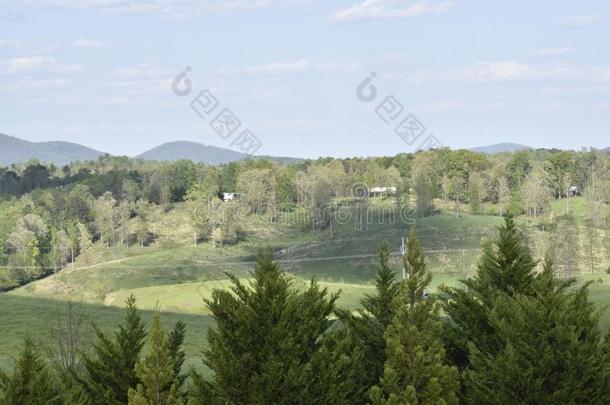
(23, 315)
(176, 276)
(348, 255)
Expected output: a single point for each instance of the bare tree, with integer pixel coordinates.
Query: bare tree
(565, 243)
(68, 339)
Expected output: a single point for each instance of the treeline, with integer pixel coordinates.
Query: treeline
(50, 215)
(509, 334)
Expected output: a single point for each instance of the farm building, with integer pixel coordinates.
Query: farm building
(229, 196)
(377, 191)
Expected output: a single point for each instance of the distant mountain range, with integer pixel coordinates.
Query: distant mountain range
(15, 150)
(198, 152)
(500, 148)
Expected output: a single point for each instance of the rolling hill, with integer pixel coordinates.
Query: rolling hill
(15, 150)
(500, 148)
(198, 152)
(194, 151)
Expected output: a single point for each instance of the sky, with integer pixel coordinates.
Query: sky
(306, 78)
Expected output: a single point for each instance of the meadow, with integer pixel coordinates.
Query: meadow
(175, 277)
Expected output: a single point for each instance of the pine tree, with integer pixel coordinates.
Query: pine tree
(505, 267)
(380, 305)
(338, 370)
(110, 370)
(364, 332)
(31, 383)
(552, 351)
(415, 371)
(176, 339)
(156, 371)
(267, 336)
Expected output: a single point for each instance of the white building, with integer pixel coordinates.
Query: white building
(229, 196)
(382, 190)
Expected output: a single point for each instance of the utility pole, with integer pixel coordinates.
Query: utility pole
(403, 252)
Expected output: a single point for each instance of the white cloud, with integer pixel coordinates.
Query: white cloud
(579, 21)
(36, 63)
(553, 51)
(142, 72)
(551, 106)
(601, 74)
(29, 84)
(9, 43)
(296, 67)
(283, 67)
(455, 105)
(166, 8)
(501, 71)
(83, 43)
(40, 47)
(390, 9)
(602, 106)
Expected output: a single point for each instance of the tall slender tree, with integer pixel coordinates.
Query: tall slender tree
(415, 371)
(505, 267)
(110, 369)
(364, 331)
(159, 385)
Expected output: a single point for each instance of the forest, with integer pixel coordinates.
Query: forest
(49, 215)
(525, 322)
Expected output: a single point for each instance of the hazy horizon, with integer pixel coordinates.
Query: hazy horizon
(291, 155)
(289, 70)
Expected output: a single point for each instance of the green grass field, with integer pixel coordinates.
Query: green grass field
(23, 316)
(175, 276)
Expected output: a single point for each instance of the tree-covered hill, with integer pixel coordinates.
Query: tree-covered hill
(15, 150)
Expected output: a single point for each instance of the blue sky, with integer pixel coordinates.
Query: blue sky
(473, 72)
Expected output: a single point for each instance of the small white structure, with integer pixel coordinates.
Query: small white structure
(229, 196)
(382, 190)
(574, 191)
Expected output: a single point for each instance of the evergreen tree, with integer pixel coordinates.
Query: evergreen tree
(364, 332)
(338, 370)
(264, 347)
(156, 371)
(415, 371)
(176, 339)
(381, 305)
(505, 267)
(551, 349)
(110, 370)
(31, 383)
